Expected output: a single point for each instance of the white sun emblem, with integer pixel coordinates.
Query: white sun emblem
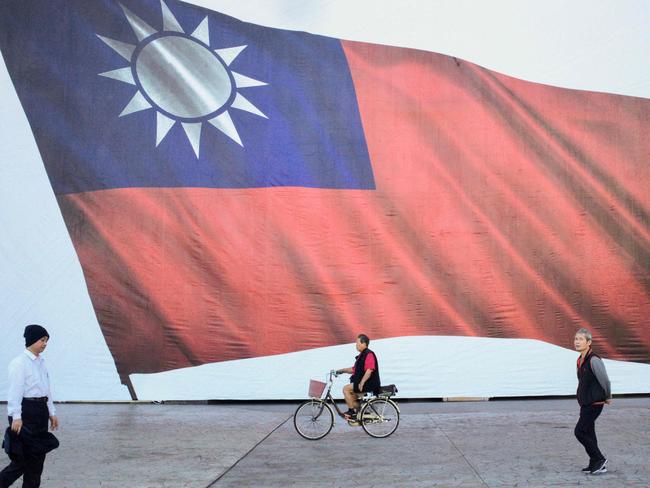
(182, 78)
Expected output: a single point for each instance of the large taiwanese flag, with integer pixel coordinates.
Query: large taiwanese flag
(235, 191)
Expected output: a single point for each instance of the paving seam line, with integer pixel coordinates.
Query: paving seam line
(459, 451)
(213, 483)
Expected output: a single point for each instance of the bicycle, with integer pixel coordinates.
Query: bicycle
(314, 419)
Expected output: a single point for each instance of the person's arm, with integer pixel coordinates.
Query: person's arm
(598, 367)
(366, 377)
(15, 394)
(54, 421)
(344, 370)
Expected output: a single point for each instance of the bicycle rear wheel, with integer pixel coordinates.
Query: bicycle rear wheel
(313, 419)
(380, 417)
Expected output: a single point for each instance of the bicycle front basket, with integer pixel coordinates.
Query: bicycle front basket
(316, 388)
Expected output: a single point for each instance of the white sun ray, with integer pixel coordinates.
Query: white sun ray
(141, 29)
(242, 103)
(193, 133)
(122, 74)
(122, 48)
(224, 123)
(163, 124)
(202, 33)
(229, 54)
(244, 81)
(137, 103)
(169, 21)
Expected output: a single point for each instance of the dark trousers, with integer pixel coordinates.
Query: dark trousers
(585, 431)
(35, 416)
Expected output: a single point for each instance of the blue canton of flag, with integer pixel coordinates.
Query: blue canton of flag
(162, 94)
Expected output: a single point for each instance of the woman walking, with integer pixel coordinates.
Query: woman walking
(594, 391)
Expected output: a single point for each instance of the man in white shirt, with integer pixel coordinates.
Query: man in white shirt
(29, 406)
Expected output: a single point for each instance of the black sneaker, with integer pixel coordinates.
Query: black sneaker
(351, 414)
(599, 467)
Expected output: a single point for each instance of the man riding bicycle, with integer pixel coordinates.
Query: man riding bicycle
(365, 376)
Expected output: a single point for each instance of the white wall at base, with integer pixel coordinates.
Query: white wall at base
(421, 366)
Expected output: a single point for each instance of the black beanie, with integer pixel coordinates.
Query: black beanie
(34, 333)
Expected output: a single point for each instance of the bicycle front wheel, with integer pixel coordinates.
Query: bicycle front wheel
(380, 417)
(313, 419)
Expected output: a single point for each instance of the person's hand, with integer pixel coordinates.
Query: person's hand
(608, 401)
(17, 425)
(54, 422)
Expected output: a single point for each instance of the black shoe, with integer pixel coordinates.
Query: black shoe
(587, 469)
(599, 467)
(351, 414)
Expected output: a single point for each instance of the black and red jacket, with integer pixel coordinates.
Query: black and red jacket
(589, 389)
(373, 384)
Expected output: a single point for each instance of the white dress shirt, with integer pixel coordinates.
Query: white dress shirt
(28, 377)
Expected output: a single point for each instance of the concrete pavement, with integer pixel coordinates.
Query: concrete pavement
(484, 444)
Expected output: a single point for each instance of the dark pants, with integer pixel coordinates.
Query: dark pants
(35, 416)
(585, 431)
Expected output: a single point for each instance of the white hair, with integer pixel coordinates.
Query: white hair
(585, 333)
